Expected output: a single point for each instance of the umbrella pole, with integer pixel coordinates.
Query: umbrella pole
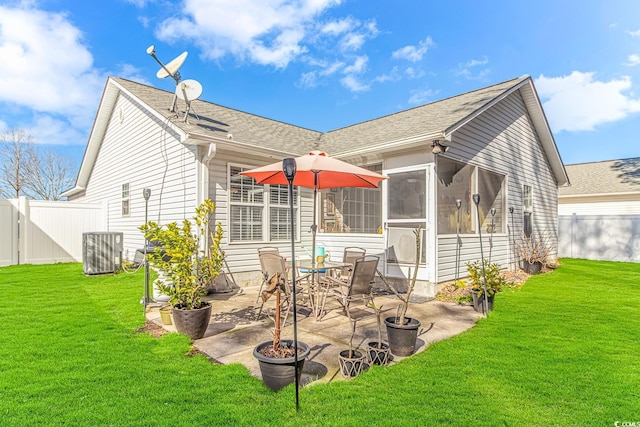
(314, 228)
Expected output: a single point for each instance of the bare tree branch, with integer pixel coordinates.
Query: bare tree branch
(16, 154)
(27, 169)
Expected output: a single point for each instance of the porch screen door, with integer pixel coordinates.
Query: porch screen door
(406, 210)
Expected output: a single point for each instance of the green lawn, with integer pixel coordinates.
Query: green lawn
(562, 350)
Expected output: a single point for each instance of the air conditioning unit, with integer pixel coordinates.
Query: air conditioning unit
(101, 252)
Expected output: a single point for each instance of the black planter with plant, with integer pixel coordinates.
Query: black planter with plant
(277, 371)
(277, 357)
(351, 361)
(402, 336)
(402, 331)
(188, 268)
(494, 283)
(533, 252)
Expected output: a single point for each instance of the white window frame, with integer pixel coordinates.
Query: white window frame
(266, 209)
(125, 199)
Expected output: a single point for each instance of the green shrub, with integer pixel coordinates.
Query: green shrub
(495, 280)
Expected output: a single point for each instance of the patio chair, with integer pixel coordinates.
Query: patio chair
(264, 250)
(349, 256)
(360, 283)
(271, 263)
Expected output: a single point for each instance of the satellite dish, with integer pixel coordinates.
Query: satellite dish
(172, 67)
(188, 90)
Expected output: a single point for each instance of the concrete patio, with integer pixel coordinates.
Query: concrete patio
(233, 331)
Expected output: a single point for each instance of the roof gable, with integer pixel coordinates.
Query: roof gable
(211, 122)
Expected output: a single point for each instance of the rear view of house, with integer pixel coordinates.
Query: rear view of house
(494, 142)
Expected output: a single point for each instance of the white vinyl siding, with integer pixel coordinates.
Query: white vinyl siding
(503, 140)
(144, 152)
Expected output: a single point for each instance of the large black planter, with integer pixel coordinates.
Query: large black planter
(531, 267)
(278, 373)
(351, 363)
(192, 323)
(378, 353)
(478, 302)
(402, 338)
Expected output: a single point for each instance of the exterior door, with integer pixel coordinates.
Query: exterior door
(406, 210)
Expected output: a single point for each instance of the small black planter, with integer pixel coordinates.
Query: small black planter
(531, 267)
(478, 302)
(402, 338)
(192, 323)
(278, 373)
(351, 363)
(378, 353)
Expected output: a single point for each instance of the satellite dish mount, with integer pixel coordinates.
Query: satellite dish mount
(171, 70)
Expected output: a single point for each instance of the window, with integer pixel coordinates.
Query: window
(125, 199)
(527, 209)
(258, 212)
(457, 182)
(351, 210)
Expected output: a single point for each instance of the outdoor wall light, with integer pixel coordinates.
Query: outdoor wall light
(438, 148)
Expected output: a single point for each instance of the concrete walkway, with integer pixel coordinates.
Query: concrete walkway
(233, 331)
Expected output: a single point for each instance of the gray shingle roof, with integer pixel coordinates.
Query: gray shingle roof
(426, 119)
(607, 177)
(218, 121)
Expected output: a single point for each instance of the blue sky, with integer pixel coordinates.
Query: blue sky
(325, 64)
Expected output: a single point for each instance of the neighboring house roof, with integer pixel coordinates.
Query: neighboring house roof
(599, 178)
(240, 130)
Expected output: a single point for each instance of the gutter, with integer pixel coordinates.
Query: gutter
(395, 145)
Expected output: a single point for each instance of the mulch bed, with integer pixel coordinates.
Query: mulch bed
(152, 329)
(452, 293)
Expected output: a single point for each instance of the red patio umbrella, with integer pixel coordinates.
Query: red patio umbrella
(317, 170)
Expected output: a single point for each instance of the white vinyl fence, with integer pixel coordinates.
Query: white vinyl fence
(43, 232)
(599, 237)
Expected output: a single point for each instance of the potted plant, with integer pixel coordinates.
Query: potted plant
(378, 351)
(351, 361)
(189, 268)
(402, 331)
(533, 253)
(494, 280)
(277, 357)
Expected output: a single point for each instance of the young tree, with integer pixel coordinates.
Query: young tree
(16, 157)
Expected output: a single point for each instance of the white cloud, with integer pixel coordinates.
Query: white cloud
(413, 53)
(633, 60)
(352, 41)
(577, 102)
(635, 33)
(140, 3)
(358, 66)
(308, 80)
(393, 76)
(353, 84)
(50, 130)
(470, 70)
(421, 96)
(412, 73)
(339, 27)
(46, 66)
(266, 32)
